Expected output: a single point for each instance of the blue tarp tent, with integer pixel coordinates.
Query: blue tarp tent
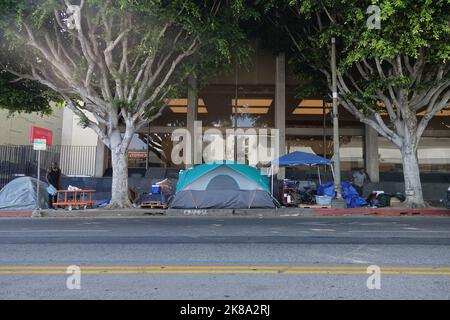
(349, 194)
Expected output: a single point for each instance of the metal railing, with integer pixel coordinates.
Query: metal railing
(21, 160)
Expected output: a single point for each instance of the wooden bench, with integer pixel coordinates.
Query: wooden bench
(69, 198)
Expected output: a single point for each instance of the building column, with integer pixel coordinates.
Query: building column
(191, 117)
(280, 106)
(371, 158)
(67, 127)
(100, 159)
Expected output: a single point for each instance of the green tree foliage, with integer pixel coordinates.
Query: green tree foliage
(18, 96)
(116, 62)
(394, 77)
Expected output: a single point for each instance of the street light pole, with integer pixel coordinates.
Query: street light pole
(235, 112)
(337, 161)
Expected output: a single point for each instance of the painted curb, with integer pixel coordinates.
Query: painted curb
(382, 212)
(15, 213)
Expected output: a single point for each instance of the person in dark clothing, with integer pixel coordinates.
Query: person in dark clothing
(53, 176)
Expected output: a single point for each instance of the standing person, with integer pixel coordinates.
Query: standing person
(359, 177)
(53, 176)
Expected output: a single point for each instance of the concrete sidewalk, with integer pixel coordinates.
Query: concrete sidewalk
(280, 212)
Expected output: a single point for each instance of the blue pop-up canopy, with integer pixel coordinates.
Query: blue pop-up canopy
(300, 158)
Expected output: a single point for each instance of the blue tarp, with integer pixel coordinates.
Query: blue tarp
(300, 158)
(349, 194)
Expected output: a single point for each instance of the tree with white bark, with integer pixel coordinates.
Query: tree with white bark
(393, 65)
(119, 60)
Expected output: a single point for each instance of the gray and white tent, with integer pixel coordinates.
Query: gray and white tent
(222, 185)
(20, 194)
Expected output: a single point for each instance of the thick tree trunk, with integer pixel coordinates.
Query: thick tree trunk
(119, 189)
(411, 173)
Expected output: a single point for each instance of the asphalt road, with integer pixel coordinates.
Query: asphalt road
(225, 258)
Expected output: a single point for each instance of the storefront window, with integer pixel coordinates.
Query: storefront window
(351, 151)
(137, 153)
(433, 154)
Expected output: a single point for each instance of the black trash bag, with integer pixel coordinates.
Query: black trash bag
(384, 200)
(400, 196)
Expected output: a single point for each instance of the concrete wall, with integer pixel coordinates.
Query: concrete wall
(432, 192)
(16, 129)
(103, 185)
(73, 134)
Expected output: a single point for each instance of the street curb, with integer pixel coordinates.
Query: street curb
(101, 213)
(270, 213)
(382, 212)
(199, 212)
(11, 213)
(281, 212)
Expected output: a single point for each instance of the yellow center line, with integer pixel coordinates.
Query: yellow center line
(227, 267)
(337, 270)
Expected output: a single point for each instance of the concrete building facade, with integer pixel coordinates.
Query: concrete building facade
(15, 129)
(261, 95)
(264, 95)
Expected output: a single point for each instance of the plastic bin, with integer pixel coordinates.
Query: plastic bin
(156, 189)
(323, 200)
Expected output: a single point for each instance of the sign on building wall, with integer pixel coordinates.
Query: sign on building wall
(41, 133)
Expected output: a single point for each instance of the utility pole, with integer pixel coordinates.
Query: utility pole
(336, 157)
(235, 111)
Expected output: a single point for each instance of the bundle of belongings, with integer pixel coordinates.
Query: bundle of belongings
(349, 194)
(380, 199)
(161, 191)
(446, 200)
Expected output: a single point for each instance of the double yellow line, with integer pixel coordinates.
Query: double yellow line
(205, 270)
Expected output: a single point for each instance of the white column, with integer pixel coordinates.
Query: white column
(371, 158)
(191, 117)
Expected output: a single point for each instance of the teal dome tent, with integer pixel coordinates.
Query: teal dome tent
(222, 184)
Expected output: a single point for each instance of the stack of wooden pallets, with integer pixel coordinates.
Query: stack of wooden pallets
(153, 205)
(314, 206)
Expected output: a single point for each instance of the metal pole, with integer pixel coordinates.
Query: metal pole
(324, 123)
(337, 163)
(38, 180)
(271, 176)
(235, 110)
(318, 173)
(148, 148)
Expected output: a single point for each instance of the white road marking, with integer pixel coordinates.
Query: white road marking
(61, 230)
(395, 231)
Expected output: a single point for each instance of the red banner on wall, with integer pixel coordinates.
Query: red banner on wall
(41, 133)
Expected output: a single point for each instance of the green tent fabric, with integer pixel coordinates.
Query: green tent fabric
(189, 176)
(222, 185)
